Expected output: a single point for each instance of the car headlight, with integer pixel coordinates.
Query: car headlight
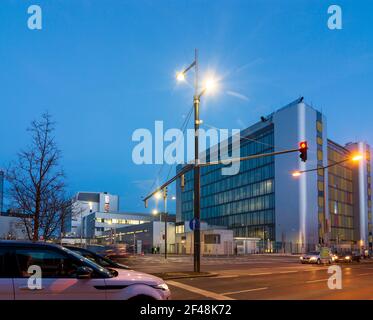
(162, 286)
(348, 258)
(313, 258)
(301, 258)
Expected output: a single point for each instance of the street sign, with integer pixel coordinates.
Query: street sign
(194, 224)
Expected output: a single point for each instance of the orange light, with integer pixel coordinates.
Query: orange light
(357, 157)
(296, 173)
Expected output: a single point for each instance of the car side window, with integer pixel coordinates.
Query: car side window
(53, 264)
(5, 260)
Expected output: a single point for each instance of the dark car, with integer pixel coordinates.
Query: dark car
(347, 257)
(100, 260)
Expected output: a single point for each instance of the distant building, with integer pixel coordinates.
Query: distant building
(95, 224)
(85, 203)
(289, 214)
(144, 238)
(12, 227)
(215, 240)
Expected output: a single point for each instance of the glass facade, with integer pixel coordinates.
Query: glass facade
(244, 202)
(369, 186)
(323, 225)
(341, 199)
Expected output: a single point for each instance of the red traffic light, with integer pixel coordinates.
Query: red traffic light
(303, 150)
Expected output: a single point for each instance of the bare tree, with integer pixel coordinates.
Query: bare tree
(37, 183)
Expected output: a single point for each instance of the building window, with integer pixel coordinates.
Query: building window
(212, 238)
(179, 229)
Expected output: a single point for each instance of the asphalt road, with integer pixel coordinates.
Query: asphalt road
(261, 277)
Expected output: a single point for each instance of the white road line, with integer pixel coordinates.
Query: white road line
(202, 292)
(243, 291)
(364, 274)
(320, 280)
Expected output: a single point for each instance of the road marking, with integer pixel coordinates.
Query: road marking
(259, 274)
(320, 280)
(288, 271)
(243, 291)
(227, 276)
(364, 274)
(202, 292)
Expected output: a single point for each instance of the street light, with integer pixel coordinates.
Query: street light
(198, 93)
(180, 76)
(354, 158)
(296, 173)
(159, 194)
(357, 157)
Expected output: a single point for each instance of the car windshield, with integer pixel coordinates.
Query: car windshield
(89, 262)
(314, 253)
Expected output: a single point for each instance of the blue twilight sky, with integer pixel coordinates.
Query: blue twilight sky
(106, 68)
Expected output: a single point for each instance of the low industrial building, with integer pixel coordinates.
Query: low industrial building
(95, 224)
(215, 240)
(147, 237)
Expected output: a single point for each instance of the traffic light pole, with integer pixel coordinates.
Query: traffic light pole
(165, 222)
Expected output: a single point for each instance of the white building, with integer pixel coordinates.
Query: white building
(85, 203)
(12, 227)
(215, 240)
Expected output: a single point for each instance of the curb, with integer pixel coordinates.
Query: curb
(184, 276)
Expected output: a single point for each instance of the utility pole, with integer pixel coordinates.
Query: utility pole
(197, 234)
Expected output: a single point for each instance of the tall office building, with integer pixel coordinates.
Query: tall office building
(265, 201)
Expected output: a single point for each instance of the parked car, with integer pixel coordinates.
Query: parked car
(347, 257)
(100, 260)
(316, 258)
(67, 275)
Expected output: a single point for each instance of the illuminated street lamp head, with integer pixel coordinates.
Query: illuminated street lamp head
(210, 85)
(357, 157)
(155, 212)
(158, 195)
(296, 173)
(180, 76)
(173, 198)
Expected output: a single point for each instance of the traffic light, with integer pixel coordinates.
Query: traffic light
(182, 182)
(165, 192)
(303, 150)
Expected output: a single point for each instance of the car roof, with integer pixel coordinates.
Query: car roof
(22, 243)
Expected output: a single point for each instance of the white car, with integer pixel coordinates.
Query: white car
(315, 257)
(66, 275)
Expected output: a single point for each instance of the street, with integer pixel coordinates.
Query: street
(260, 277)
